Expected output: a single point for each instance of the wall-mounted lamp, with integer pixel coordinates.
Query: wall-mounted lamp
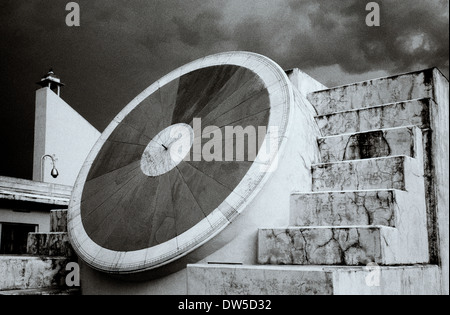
(54, 171)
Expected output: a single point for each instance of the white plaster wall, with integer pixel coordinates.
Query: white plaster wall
(42, 219)
(60, 131)
(303, 82)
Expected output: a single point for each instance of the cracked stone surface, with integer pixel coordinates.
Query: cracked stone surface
(257, 280)
(343, 208)
(309, 280)
(58, 221)
(21, 272)
(380, 173)
(373, 144)
(320, 246)
(375, 92)
(407, 243)
(49, 244)
(411, 113)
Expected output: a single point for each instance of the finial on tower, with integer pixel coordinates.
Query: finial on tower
(52, 81)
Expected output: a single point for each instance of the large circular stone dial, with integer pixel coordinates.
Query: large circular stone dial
(146, 195)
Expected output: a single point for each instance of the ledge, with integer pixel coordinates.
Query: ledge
(32, 191)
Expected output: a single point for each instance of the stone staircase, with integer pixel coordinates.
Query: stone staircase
(43, 270)
(369, 224)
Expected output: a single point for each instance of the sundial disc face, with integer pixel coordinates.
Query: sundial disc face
(161, 180)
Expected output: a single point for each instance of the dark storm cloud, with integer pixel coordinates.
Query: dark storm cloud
(203, 30)
(123, 46)
(318, 33)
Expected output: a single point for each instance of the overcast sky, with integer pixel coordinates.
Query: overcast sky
(123, 46)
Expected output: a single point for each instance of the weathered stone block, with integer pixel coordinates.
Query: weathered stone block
(399, 172)
(374, 92)
(49, 244)
(349, 246)
(407, 242)
(23, 272)
(377, 207)
(257, 280)
(312, 280)
(372, 144)
(410, 113)
(321, 246)
(58, 221)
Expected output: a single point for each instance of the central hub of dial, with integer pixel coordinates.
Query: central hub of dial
(167, 150)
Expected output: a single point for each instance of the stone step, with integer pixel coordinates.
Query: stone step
(371, 207)
(371, 144)
(392, 115)
(374, 92)
(396, 172)
(58, 221)
(344, 245)
(49, 244)
(43, 291)
(312, 280)
(29, 272)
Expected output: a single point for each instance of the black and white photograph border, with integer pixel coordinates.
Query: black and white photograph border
(249, 148)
